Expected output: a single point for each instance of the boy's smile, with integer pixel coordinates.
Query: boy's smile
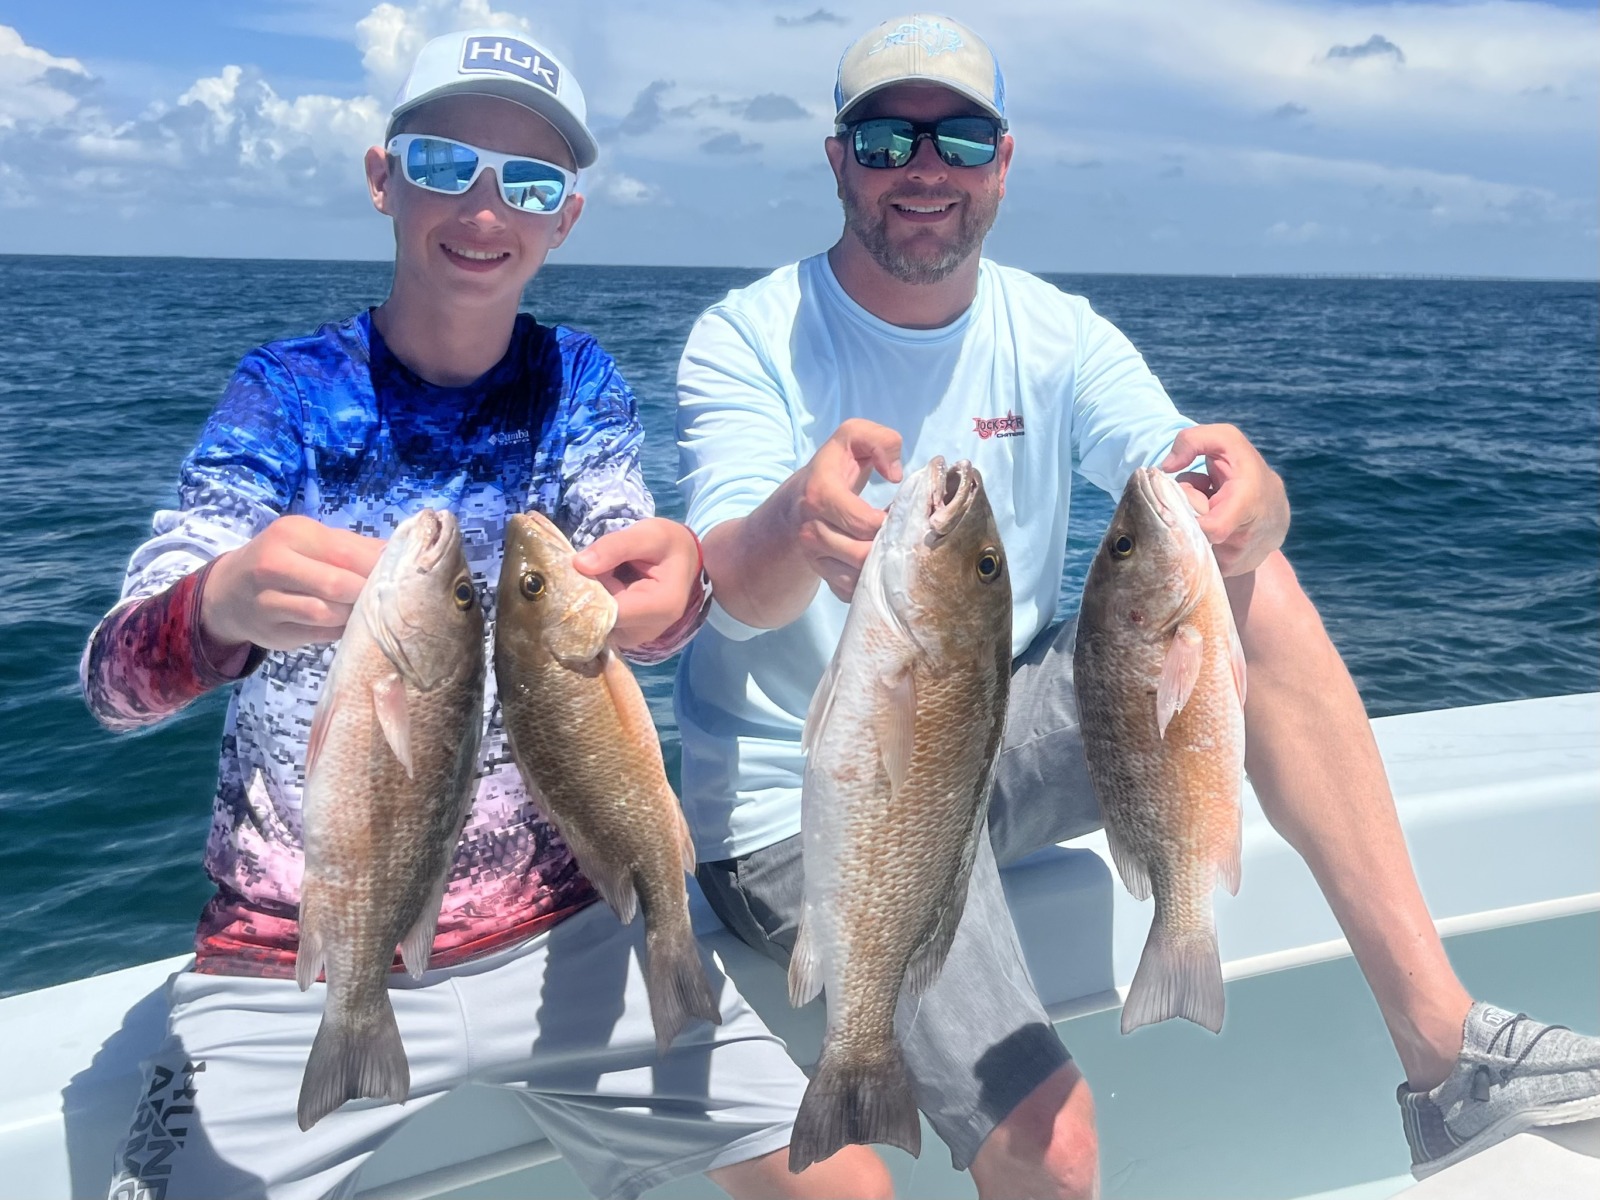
(473, 240)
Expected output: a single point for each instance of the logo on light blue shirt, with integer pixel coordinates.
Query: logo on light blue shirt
(508, 56)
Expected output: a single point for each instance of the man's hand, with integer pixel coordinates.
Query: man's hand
(294, 583)
(650, 568)
(830, 522)
(1245, 511)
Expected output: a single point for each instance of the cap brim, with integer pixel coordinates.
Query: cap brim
(982, 101)
(584, 148)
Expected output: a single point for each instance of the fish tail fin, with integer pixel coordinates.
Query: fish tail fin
(348, 1061)
(675, 979)
(851, 1102)
(1179, 975)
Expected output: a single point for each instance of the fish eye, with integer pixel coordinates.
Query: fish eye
(532, 585)
(464, 594)
(1122, 547)
(989, 565)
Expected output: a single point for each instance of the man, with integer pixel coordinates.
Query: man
(445, 395)
(792, 393)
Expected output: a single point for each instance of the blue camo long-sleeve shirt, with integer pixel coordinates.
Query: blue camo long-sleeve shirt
(335, 427)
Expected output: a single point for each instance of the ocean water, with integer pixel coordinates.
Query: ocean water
(1440, 441)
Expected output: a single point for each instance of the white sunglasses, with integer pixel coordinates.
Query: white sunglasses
(439, 164)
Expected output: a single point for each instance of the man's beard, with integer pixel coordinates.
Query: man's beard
(920, 265)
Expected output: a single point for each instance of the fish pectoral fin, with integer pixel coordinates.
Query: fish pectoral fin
(805, 968)
(1134, 876)
(394, 717)
(1179, 673)
(897, 723)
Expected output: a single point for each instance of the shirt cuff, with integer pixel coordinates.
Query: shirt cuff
(681, 631)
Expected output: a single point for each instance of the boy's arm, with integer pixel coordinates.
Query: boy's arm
(149, 657)
(653, 568)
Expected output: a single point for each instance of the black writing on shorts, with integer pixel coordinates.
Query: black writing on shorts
(160, 1129)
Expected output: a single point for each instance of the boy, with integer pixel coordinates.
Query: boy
(442, 396)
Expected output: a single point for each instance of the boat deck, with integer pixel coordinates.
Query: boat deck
(1501, 806)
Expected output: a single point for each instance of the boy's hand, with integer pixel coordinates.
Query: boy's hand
(1246, 510)
(292, 584)
(651, 568)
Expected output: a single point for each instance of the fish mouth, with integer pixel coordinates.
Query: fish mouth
(534, 529)
(950, 494)
(429, 536)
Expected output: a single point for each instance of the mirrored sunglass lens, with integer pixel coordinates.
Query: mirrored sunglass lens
(442, 165)
(532, 185)
(966, 143)
(884, 143)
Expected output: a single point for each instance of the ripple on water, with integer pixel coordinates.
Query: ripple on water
(1440, 443)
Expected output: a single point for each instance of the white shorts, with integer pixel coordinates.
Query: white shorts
(561, 1020)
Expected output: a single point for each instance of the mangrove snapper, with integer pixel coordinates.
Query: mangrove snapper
(1159, 674)
(588, 751)
(900, 739)
(390, 765)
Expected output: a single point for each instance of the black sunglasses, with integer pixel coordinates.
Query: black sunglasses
(890, 142)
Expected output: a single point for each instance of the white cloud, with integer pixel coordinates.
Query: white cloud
(36, 87)
(1489, 122)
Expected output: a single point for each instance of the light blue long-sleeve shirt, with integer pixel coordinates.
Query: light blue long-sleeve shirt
(1027, 383)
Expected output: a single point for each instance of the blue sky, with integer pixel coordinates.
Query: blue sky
(1152, 135)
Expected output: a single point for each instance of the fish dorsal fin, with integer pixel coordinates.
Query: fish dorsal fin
(394, 717)
(633, 713)
(821, 705)
(897, 722)
(581, 634)
(1179, 673)
(805, 968)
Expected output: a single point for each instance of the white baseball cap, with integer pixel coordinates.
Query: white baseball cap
(920, 49)
(497, 62)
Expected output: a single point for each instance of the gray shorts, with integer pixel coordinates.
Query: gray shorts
(561, 1021)
(981, 1041)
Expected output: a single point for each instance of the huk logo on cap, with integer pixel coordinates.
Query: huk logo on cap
(508, 56)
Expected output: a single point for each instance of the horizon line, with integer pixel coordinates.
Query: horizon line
(1373, 275)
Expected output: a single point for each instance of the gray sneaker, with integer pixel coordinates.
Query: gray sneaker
(1513, 1073)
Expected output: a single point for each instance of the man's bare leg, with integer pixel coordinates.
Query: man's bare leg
(854, 1173)
(1315, 768)
(1046, 1149)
